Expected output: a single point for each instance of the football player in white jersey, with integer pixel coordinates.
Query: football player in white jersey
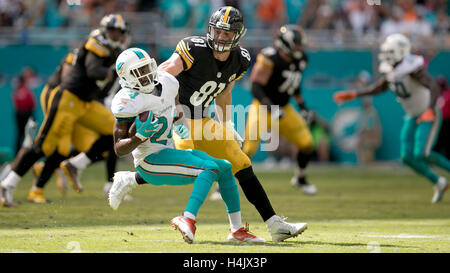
(405, 74)
(144, 110)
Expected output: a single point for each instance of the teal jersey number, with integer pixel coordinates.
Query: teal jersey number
(400, 90)
(156, 135)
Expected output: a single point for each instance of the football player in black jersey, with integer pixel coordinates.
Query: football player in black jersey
(74, 102)
(275, 79)
(207, 68)
(82, 140)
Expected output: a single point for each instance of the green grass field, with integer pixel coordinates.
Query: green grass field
(378, 209)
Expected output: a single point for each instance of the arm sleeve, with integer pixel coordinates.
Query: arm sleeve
(426, 80)
(95, 68)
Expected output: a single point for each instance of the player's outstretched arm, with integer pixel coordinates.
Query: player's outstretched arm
(381, 85)
(173, 65)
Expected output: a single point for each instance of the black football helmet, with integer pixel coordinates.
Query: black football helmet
(114, 21)
(229, 19)
(288, 38)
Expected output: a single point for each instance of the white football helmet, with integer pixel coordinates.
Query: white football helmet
(396, 47)
(137, 70)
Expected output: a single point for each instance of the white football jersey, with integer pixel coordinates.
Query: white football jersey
(129, 103)
(414, 97)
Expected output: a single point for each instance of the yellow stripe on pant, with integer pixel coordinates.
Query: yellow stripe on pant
(65, 111)
(211, 137)
(292, 126)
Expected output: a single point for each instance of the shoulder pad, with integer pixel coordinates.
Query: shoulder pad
(410, 64)
(124, 105)
(97, 45)
(69, 58)
(189, 48)
(168, 81)
(264, 60)
(268, 51)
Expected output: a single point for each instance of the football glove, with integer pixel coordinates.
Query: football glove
(229, 125)
(145, 129)
(344, 96)
(427, 116)
(308, 116)
(182, 131)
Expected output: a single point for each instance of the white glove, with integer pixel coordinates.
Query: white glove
(181, 131)
(229, 125)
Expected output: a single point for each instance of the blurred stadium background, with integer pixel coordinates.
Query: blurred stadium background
(343, 40)
(363, 209)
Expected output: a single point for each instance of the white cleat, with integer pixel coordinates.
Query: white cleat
(186, 226)
(280, 230)
(6, 196)
(308, 189)
(439, 189)
(243, 235)
(123, 184)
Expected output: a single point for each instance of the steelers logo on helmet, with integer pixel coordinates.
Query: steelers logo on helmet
(225, 29)
(137, 70)
(115, 29)
(290, 39)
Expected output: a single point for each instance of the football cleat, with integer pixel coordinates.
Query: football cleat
(37, 196)
(122, 185)
(186, 226)
(305, 187)
(243, 235)
(61, 181)
(6, 196)
(280, 230)
(73, 175)
(439, 189)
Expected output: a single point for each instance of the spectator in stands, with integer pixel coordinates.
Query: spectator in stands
(177, 12)
(443, 142)
(271, 13)
(24, 103)
(369, 133)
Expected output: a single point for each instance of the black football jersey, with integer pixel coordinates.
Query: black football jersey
(55, 79)
(204, 77)
(286, 76)
(77, 80)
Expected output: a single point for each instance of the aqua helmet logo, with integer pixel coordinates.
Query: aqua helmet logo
(120, 68)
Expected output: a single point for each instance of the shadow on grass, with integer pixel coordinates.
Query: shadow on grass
(303, 243)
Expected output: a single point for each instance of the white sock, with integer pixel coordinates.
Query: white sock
(80, 161)
(27, 142)
(11, 180)
(6, 168)
(271, 220)
(189, 215)
(235, 221)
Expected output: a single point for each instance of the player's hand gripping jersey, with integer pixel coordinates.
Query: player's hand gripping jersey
(128, 104)
(414, 97)
(286, 76)
(204, 77)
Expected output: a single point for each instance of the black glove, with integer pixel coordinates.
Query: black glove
(308, 116)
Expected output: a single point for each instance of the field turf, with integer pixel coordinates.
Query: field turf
(357, 210)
